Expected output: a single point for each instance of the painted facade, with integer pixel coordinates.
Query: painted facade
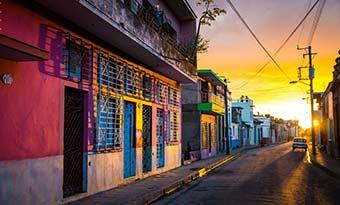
(101, 109)
(246, 118)
(203, 121)
(237, 131)
(262, 130)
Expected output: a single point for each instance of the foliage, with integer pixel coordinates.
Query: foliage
(202, 45)
(209, 15)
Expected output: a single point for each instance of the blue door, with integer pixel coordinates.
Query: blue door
(160, 138)
(129, 140)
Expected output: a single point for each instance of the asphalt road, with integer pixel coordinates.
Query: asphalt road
(271, 175)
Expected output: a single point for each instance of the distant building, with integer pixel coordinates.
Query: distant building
(236, 134)
(247, 119)
(203, 111)
(263, 134)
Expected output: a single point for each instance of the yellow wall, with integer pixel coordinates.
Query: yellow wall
(208, 118)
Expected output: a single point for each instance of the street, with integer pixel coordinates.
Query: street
(270, 175)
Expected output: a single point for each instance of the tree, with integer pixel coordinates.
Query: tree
(209, 14)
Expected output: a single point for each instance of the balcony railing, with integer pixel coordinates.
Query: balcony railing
(142, 23)
(212, 98)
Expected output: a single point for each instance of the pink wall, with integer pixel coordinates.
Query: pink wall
(31, 108)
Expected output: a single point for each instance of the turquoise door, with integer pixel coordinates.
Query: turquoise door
(129, 139)
(160, 138)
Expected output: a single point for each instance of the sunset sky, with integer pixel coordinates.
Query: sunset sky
(235, 54)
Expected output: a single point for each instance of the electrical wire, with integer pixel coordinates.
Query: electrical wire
(303, 25)
(283, 44)
(257, 39)
(316, 21)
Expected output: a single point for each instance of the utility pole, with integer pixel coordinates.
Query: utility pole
(311, 75)
(226, 114)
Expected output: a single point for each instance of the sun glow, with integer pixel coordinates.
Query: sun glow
(295, 110)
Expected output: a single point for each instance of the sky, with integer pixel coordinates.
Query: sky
(234, 53)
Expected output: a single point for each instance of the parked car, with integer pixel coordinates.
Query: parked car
(300, 143)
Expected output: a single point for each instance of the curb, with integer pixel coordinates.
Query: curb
(324, 168)
(153, 197)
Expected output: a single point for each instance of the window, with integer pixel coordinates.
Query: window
(147, 87)
(110, 73)
(173, 97)
(204, 131)
(108, 123)
(174, 127)
(161, 93)
(78, 61)
(109, 104)
(131, 81)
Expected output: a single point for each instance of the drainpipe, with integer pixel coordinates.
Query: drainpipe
(226, 114)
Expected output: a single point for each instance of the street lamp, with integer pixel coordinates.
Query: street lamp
(298, 81)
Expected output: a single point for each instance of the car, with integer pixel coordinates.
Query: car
(300, 143)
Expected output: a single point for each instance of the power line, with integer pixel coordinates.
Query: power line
(264, 90)
(303, 25)
(283, 44)
(316, 21)
(256, 38)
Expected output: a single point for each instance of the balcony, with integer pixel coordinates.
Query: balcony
(129, 27)
(211, 104)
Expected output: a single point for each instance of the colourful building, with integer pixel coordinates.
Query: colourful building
(203, 122)
(247, 119)
(262, 129)
(237, 125)
(90, 97)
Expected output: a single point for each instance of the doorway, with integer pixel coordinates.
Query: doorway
(73, 142)
(129, 139)
(147, 135)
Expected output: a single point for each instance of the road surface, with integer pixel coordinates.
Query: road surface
(270, 175)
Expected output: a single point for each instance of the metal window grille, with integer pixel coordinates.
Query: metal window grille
(108, 123)
(174, 97)
(134, 6)
(160, 137)
(213, 133)
(110, 73)
(77, 59)
(147, 87)
(109, 103)
(161, 93)
(204, 133)
(132, 81)
(174, 126)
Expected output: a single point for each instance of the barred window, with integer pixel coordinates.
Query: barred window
(109, 104)
(131, 81)
(110, 73)
(174, 127)
(78, 61)
(174, 97)
(109, 113)
(213, 134)
(147, 87)
(161, 93)
(204, 134)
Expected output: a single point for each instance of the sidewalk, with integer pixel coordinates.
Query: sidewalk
(148, 190)
(326, 163)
